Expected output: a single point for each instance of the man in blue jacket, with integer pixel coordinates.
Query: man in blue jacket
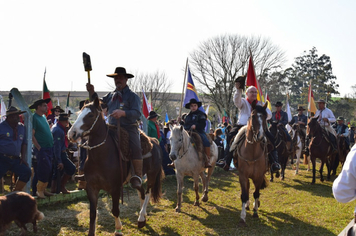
(281, 118)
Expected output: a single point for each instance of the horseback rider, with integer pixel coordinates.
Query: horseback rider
(281, 118)
(196, 120)
(326, 117)
(244, 105)
(125, 105)
(342, 130)
(301, 120)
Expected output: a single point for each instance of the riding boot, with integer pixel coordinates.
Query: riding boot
(333, 143)
(207, 153)
(171, 165)
(19, 185)
(136, 179)
(306, 150)
(47, 194)
(273, 158)
(64, 181)
(54, 186)
(40, 189)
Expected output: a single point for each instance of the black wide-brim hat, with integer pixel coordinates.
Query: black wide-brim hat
(300, 108)
(152, 114)
(242, 80)
(120, 71)
(63, 117)
(13, 111)
(278, 104)
(39, 102)
(57, 107)
(192, 101)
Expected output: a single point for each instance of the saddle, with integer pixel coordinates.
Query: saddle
(197, 143)
(124, 148)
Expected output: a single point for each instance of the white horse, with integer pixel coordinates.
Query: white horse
(187, 162)
(298, 151)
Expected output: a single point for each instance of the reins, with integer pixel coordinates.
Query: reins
(86, 144)
(184, 152)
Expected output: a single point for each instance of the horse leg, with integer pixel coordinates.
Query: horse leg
(205, 181)
(116, 212)
(308, 158)
(256, 204)
(141, 221)
(314, 168)
(321, 171)
(244, 183)
(298, 154)
(179, 191)
(93, 195)
(196, 189)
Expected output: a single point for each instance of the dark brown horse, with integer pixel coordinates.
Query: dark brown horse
(343, 149)
(319, 148)
(281, 146)
(105, 170)
(250, 151)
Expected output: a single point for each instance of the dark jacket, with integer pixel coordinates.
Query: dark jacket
(303, 118)
(197, 118)
(283, 120)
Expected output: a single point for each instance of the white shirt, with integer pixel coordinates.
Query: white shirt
(344, 186)
(245, 108)
(326, 113)
(168, 137)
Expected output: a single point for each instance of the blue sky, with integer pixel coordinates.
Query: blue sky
(146, 36)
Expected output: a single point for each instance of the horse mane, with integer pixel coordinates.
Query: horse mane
(260, 109)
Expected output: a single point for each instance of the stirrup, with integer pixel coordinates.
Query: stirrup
(134, 177)
(79, 177)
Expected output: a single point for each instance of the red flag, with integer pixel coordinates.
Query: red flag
(145, 106)
(251, 79)
(45, 95)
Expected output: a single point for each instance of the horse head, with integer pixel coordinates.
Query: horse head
(312, 126)
(86, 120)
(257, 121)
(178, 139)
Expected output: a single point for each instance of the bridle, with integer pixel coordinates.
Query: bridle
(85, 133)
(182, 147)
(254, 133)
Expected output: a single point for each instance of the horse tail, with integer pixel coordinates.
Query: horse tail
(156, 191)
(265, 182)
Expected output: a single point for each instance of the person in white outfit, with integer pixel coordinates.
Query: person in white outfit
(244, 105)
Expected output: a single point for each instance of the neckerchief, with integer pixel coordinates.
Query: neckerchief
(249, 101)
(158, 133)
(278, 115)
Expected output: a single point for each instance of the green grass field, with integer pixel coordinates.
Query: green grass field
(289, 207)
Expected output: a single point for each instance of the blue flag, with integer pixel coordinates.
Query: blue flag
(167, 119)
(191, 92)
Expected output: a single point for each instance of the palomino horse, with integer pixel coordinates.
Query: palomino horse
(250, 151)
(297, 144)
(320, 148)
(188, 161)
(105, 170)
(281, 146)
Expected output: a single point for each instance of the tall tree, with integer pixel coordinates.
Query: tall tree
(310, 66)
(220, 60)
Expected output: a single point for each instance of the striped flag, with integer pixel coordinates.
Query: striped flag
(191, 92)
(45, 94)
(167, 119)
(268, 102)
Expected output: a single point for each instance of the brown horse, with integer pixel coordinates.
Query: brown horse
(105, 170)
(343, 149)
(319, 148)
(281, 146)
(250, 151)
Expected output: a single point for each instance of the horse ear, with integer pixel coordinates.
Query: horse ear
(181, 128)
(96, 102)
(253, 105)
(315, 118)
(265, 105)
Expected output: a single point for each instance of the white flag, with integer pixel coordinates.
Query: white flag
(289, 113)
(2, 110)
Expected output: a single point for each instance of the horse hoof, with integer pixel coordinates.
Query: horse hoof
(177, 209)
(205, 198)
(322, 180)
(242, 223)
(270, 180)
(118, 234)
(282, 178)
(247, 208)
(196, 204)
(255, 215)
(141, 224)
(277, 175)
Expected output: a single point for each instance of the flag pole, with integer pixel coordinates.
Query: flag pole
(181, 99)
